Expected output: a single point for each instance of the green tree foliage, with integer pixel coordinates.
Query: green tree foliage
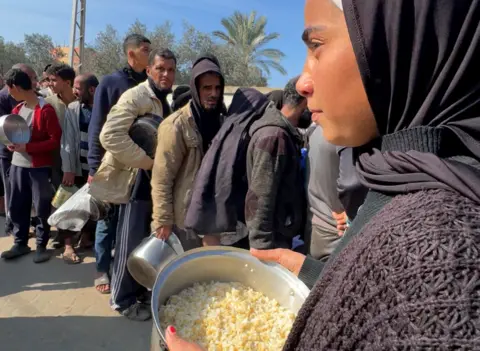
(246, 35)
(241, 51)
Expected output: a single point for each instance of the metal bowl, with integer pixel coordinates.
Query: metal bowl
(144, 132)
(14, 130)
(151, 256)
(224, 264)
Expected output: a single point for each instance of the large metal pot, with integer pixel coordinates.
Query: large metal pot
(151, 256)
(14, 130)
(224, 264)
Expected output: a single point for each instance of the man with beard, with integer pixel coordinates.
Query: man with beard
(74, 146)
(149, 97)
(136, 48)
(182, 142)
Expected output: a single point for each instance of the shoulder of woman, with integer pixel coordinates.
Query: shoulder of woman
(425, 214)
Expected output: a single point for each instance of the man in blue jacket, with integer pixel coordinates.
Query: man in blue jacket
(137, 49)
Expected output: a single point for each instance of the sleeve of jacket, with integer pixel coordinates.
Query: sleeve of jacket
(52, 126)
(268, 164)
(68, 149)
(169, 156)
(5, 105)
(106, 95)
(114, 136)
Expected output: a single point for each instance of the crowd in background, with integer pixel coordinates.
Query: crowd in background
(375, 206)
(81, 133)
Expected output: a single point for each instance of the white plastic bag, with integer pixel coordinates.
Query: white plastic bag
(77, 211)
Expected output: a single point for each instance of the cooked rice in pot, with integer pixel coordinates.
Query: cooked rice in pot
(228, 316)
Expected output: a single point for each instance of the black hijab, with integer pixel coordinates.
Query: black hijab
(418, 60)
(208, 122)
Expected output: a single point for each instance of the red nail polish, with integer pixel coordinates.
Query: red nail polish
(172, 329)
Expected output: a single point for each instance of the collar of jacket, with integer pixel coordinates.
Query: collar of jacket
(135, 76)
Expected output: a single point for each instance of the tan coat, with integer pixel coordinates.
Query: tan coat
(114, 137)
(123, 157)
(177, 161)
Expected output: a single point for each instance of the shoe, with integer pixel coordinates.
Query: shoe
(137, 312)
(41, 255)
(16, 251)
(145, 298)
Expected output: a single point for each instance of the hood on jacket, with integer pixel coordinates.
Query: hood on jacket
(180, 97)
(245, 100)
(274, 118)
(277, 97)
(208, 122)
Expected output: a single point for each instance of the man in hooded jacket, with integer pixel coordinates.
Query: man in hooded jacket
(183, 139)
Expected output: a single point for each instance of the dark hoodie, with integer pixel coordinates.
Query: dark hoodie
(208, 122)
(180, 97)
(218, 195)
(276, 201)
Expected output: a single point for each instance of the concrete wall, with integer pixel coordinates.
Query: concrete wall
(230, 91)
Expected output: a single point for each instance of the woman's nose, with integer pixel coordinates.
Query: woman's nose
(305, 85)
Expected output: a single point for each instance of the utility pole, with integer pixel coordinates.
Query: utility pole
(77, 33)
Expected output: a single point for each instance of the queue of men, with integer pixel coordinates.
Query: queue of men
(81, 134)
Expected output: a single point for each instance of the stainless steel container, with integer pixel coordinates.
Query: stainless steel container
(14, 130)
(151, 256)
(224, 264)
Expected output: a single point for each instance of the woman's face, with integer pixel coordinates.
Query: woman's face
(331, 80)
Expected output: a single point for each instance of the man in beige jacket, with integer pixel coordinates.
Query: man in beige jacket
(183, 139)
(149, 97)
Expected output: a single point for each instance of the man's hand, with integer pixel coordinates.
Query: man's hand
(341, 219)
(17, 147)
(89, 180)
(68, 178)
(291, 260)
(176, 343)
(163, 232)
(149, 165)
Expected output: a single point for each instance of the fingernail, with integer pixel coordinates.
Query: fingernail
(172, 329)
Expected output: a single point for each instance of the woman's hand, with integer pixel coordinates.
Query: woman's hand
(341, 219)
(176, 343)
(291, 260)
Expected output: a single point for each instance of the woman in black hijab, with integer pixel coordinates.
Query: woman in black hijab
(397, 81)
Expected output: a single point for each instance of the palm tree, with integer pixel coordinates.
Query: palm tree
(245, 33)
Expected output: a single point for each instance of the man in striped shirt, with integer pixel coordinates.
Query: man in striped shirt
(74, 146)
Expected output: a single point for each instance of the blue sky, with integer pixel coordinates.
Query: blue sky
(53, 17)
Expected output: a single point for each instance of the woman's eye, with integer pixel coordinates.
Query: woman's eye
(314, 45)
